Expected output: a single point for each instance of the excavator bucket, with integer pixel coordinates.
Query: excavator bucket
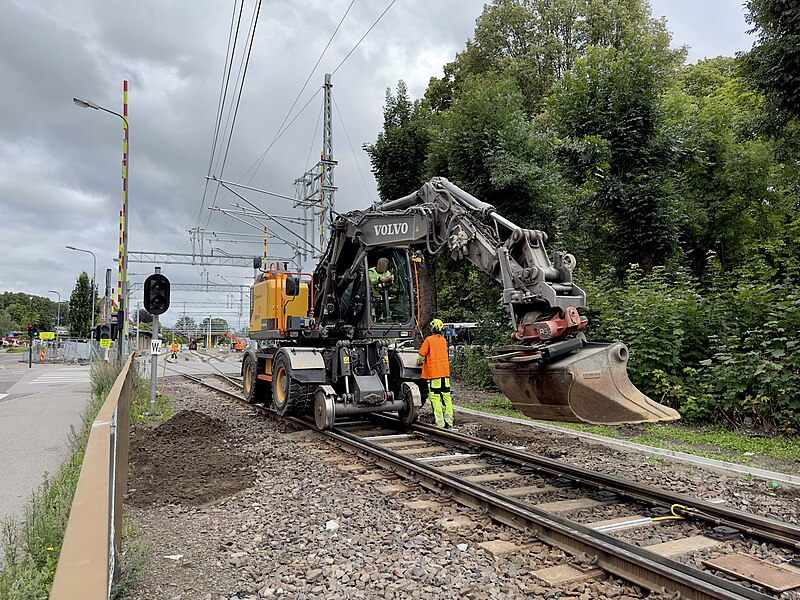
(590, 385)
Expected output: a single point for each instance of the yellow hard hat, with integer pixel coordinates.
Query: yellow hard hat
(437, 325)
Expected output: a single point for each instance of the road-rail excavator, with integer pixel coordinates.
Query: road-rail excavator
(334, 344)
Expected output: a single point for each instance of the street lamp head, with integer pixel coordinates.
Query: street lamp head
(85, 103)
(70, 247)
(52, 292)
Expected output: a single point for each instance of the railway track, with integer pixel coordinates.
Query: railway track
(533, 493)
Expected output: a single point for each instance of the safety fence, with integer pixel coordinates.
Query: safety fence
(88, 564)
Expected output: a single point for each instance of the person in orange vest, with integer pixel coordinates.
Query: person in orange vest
(174, 349)
(436, 370)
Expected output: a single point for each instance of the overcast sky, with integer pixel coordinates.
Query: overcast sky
(60, 165)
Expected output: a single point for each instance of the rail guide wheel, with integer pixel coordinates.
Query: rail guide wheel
(324, 409)
(412, 398)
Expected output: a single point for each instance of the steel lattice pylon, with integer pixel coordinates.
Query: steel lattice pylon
(314, 189)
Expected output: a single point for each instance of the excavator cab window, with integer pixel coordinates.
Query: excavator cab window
(389, 287)
(292, 286)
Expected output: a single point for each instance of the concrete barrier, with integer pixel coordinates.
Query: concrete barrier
(89, 560)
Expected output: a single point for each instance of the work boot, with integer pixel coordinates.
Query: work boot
(448, 426)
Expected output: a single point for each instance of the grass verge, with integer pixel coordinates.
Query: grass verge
(707, 441)
(31, 545)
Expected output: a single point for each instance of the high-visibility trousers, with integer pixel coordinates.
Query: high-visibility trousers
(438, 391)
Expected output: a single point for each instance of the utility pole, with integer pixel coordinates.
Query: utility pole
(314, 189)
(138, 310)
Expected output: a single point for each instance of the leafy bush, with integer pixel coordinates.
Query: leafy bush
(468, 365)
(726, 353)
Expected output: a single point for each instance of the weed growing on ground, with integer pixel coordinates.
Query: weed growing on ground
(31, 546)
(134, 556)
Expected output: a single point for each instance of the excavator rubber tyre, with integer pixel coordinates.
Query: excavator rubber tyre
(282, 385)
(255, 390)
(324, 410)
(587, 386)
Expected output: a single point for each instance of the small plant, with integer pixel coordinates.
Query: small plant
(31, 546)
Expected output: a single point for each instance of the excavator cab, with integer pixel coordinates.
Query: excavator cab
(389, 287)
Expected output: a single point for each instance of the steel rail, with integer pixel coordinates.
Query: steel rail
(785, 534)
(615, 556)
(631, 563)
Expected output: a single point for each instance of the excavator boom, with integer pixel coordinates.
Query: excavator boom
(553, 373)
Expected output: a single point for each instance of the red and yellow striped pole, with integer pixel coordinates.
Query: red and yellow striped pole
(264, 267)
(119, 262)
(124, 258)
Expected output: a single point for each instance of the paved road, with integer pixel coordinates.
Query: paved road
(38, 406)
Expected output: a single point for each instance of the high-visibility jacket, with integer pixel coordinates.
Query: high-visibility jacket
(374, 280)
(437, 362)
(174, 347)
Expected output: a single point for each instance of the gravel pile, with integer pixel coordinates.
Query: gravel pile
(307, 527)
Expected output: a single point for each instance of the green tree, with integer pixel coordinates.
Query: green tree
(536, 41)
(727, 185)
(218, 326)
(773, 65)
(185, 325)
(398, 155)
(485, 143)
(21, 308)
(606, 113)
(81, 302)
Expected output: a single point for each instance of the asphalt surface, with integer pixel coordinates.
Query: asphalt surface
(38, 408)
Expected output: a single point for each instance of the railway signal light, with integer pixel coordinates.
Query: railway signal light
(156, 294)
(103, 332)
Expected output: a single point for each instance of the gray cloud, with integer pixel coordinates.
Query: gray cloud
(60, 165)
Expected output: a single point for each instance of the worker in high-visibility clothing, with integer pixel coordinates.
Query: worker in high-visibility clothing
(174, 348)
(436, 370)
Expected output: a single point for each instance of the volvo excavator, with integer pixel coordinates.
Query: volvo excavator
(332, 343)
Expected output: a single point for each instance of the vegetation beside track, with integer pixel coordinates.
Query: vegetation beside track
(710, 441)
(31, 545)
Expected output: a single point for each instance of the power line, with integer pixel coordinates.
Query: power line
(223, 91)
(310, 75)
(355, 157)
(363, 36)
(243, 74)
(314, 137)
(281, 129)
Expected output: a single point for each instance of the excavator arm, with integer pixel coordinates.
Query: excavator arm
(551, 372)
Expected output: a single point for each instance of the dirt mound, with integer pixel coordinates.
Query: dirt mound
(191, 459)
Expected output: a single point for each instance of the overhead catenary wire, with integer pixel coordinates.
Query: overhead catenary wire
(355, 157)
(311, 74)
(314, 137)
(284, 126)
(240, 84)
(223, 91)
(358, 43)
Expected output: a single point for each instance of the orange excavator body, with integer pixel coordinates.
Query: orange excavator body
(236, 344)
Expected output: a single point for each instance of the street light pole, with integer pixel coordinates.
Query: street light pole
(58, 318)
(58, 322)
(124, 301)
(94, 280)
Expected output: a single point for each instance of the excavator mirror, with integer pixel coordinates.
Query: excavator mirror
(292, 286)
(257, 262)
